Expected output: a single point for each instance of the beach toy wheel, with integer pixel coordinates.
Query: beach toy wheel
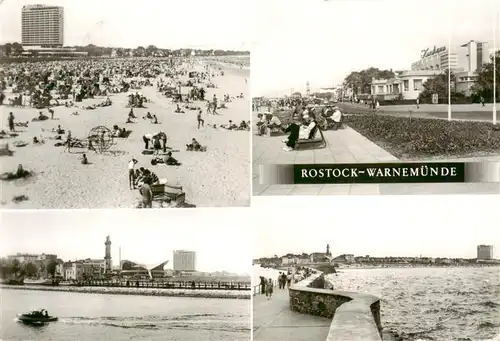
(101, 137)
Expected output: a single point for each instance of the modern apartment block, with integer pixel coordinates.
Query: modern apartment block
(42, 25)
(184, 260)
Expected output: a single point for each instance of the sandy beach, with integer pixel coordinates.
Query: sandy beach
(218, 177)
(229, 294)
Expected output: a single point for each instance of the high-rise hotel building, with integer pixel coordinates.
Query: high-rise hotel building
(184, 260)
(43, 25)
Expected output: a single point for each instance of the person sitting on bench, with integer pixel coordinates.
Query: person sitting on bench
(293, 129)
(274, 123)
(306, 130)
(261, 124)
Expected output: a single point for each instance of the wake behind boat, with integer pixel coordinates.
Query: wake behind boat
(36, 317)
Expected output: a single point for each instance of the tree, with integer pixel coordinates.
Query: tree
(17, 49)
(51, 269)
(8, 49)
(360, 81)
(30, 269)
(436, 85)
(484, 83)
(151, 50)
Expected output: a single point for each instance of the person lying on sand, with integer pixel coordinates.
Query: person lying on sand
(75, 113)
(22, 124)
(84, 161)
(230, 126)
(154, 120)
(148, 116)
(41, 117)
(20, 173)
(59, 130)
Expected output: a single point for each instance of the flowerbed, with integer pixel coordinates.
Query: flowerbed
(415, 138)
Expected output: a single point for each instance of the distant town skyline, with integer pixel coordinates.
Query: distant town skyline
(335, 38)
(169, 24)
(406, 227)
(147, 238)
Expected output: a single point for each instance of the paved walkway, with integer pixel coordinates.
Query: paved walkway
(274, 321)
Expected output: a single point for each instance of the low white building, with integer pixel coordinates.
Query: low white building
(408, 84)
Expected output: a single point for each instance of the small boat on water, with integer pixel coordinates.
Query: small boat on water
(36, 317)
(42, 281)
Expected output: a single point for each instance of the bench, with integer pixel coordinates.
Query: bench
(317, 141)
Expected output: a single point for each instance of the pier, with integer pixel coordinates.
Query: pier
(311, 310)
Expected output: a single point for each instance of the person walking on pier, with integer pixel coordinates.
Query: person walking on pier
(262, 285)
(288, 280)
(269, 288)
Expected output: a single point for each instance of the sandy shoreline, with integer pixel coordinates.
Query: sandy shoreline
(218, 178)
(221, 294)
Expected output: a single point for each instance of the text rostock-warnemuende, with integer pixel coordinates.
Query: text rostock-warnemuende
(379, 172)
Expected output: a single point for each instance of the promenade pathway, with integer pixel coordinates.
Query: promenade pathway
(348, 146)
(273, 320)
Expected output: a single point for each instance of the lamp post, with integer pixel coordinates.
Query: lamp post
(495, 68)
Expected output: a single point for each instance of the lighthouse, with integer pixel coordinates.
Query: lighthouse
(107, 256)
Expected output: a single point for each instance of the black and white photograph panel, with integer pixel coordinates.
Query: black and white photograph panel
(109, 276)
(377, 87)
(148, 102)
(372, 277)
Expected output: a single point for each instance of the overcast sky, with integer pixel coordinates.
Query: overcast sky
(434, 226)
(145, 236)
(323, 41)
(218, 24)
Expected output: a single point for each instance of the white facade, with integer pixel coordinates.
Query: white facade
(184, 260)
(409, 84)
(43, 25)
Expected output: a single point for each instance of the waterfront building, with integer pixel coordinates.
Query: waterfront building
(434, 61)
(485, 252)
(73, 271)
(408, 84)
(184, 260)
(477, 55)
(42, 25)
(32, 258)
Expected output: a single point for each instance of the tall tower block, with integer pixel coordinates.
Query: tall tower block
(107, 256)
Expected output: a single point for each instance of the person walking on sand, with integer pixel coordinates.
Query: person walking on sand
(215, 105)
(68, 141)
(200, 120)
(146, 193)
(12, 127)
(269, 288)
(131, 173)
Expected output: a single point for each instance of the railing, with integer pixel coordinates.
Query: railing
(167, 284)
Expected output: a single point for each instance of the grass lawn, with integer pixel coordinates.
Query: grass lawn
(421, 138)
